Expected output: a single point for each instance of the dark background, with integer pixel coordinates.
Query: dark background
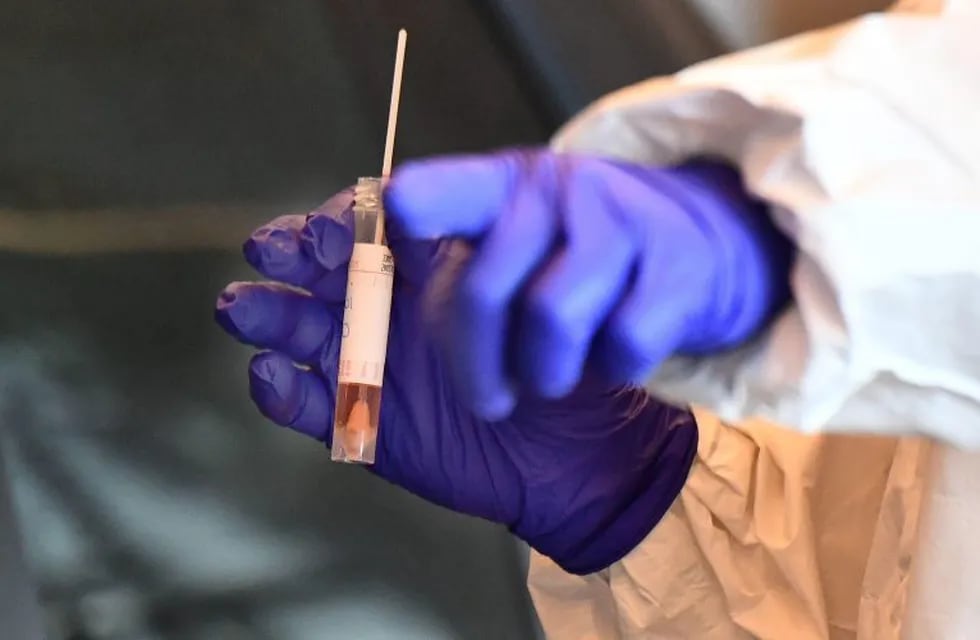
(140, 141)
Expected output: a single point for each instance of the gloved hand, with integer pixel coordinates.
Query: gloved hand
(582, 479)
(581, 260)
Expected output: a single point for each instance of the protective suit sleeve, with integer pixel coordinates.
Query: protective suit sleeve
(777, 534)
(864, 139)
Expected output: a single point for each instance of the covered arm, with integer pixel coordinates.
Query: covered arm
(777, 534)
(865, 141)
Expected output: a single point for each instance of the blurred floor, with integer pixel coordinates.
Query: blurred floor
(157, 503)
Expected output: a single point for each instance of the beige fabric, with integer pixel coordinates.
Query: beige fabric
(943, 602)
(779, 534)
(921, 7)
(776, 535)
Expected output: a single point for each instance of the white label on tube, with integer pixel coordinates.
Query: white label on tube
(367, 309)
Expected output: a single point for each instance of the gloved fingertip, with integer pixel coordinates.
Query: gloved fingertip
(450, 196)
(621, 363)
(291, 397)
(252, 252)
(495, 407)
(329, 238)
(274, 387)
(228, 296)
(268, 368)
(271, 247)
(557, 386)
(228, 313)
(412, 191)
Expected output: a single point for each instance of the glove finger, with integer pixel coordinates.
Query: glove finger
(653, 316)
(457, 196)
(414, 259)
(571, 297)
(275, 252)
(328, 238)
(279, 250)
(290, 396)
(269, 315)
(636, 342)
(328, 235)
(481, 306)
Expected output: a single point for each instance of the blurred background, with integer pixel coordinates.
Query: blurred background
(140, 142)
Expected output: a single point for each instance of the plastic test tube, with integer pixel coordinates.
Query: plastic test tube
(364, 340)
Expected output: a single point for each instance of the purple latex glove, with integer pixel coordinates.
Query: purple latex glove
(583, 261)
(582, 479)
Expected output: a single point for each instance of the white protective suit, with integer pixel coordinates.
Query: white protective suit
(865, 140)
